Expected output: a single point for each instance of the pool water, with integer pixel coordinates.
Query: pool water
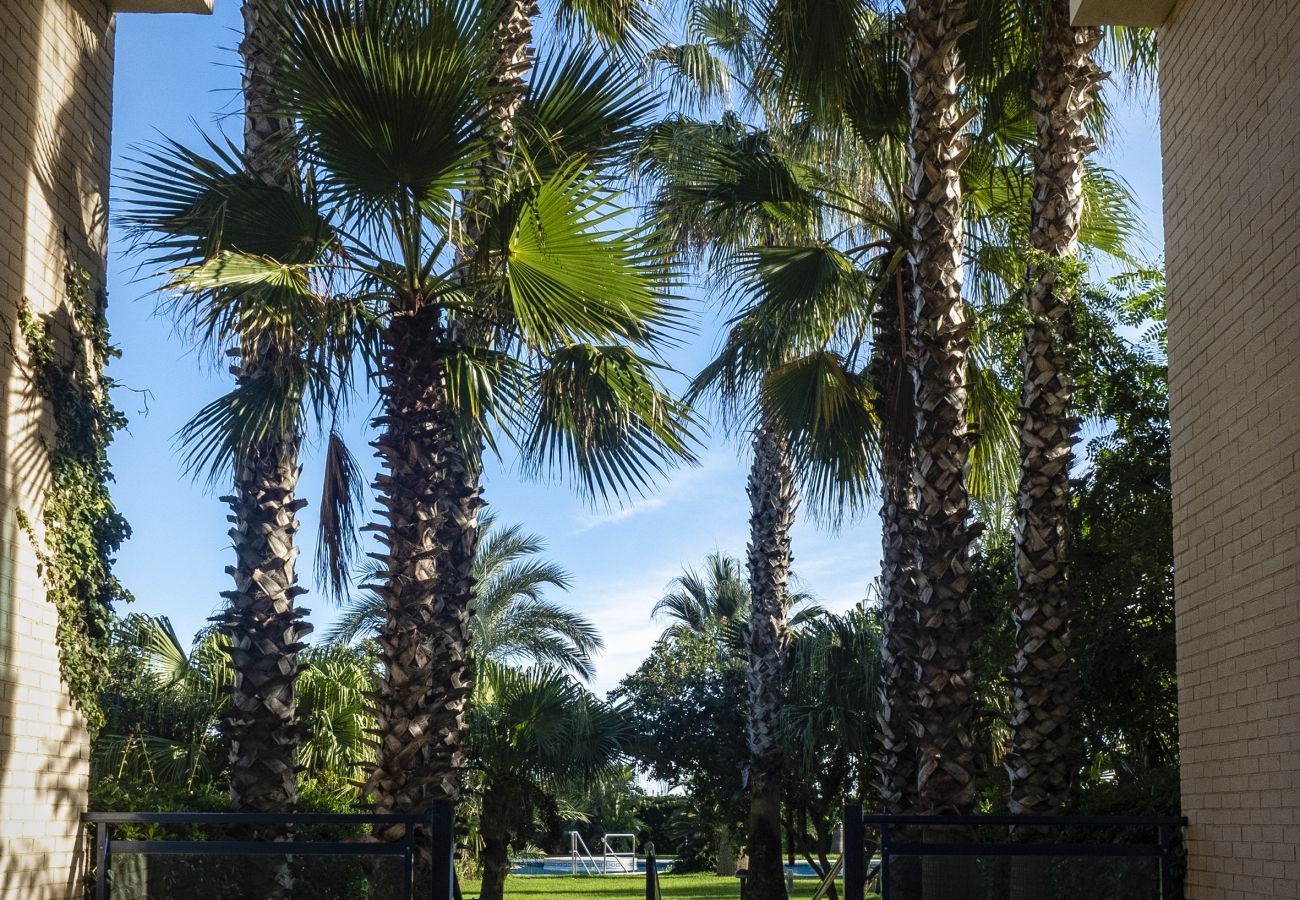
(563, 865)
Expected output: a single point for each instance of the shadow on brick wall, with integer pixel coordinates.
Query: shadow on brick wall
(56, 158)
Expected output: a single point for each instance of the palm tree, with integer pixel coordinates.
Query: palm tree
(264, 624)
(167, 733)
(1042, 759)
(512, 619)
(332, 701)
(830, 724)
(550, 313)
(698, 168)
(716, 599)
(533, 732)
(945, 764)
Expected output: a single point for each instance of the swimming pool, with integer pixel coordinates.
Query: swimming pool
(563, 865)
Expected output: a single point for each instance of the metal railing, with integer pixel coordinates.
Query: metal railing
(1163, 844)
(439, 822)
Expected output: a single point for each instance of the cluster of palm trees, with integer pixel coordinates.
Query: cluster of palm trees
(420, 208)
(538, 735)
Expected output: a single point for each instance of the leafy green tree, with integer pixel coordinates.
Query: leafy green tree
(1123, 546)
(163, 705)
(533, 732)
(686, 707)
(166, 704)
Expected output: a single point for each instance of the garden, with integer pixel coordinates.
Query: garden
(487, 226)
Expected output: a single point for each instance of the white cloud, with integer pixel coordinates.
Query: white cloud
(682, 489)
(620, 514)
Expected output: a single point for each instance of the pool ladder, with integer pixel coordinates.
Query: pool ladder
(581, 855)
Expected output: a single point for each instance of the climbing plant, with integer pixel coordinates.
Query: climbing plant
(82, 528)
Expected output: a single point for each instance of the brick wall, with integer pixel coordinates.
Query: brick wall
(55, 98)
(1230, 86)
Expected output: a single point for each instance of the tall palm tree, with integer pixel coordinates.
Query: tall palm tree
(510, 59)
(512, 619)
(695, 166)
(1042, 761)
(533, 732)
(261, 619)
(551, 310)
(945, 763)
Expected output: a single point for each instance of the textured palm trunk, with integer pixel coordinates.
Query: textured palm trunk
(494, 827)
(429, 501)
(772, 508)
(1042, 761)
(896, 758)
(943, 712)
(261, 619)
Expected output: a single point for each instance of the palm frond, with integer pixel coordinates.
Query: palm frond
(601, 414)
(342, 507)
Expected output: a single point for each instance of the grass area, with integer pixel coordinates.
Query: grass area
(617, 887)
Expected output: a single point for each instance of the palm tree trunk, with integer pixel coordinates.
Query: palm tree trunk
(945, 748)
(429, 499)
(264, 625)
(1042, 762)
(494, 828)
(772, 505)
(896, 758)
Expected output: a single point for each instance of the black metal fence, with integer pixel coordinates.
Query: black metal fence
(1131, 856)
(438, 824)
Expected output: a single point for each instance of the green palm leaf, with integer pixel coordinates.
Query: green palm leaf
(601, 413)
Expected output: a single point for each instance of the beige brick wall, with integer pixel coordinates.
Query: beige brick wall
(55, 98)
(1231, 124)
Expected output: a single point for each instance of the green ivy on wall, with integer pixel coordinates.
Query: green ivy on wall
(83, 529)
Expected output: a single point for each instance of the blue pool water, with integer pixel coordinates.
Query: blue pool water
(563, 865)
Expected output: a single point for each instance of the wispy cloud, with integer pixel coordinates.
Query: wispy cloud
(684, 487)
(620, 514)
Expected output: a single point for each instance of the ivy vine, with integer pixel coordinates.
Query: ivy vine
(83, 529)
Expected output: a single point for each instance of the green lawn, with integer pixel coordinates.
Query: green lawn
(618, 887)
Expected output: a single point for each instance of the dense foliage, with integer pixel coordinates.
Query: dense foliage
(81, 529)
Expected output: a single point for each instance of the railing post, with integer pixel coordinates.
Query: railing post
(1166, 864)
(101, 861)
(884, 862)
(651, 872)
(408, 861)
(442, 838)
(855, 869)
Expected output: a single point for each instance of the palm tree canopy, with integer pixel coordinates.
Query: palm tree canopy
(541, 726)
(513, 620)
(716, 601)
(561, 301)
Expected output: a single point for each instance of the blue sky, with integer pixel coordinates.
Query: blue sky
(178, 74)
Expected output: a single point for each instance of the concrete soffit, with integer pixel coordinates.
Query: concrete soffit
(203, 7)
(1149, 13)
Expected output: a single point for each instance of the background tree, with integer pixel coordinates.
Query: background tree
(686, 707)
(532, 731)
(830, 726)
(512, 619)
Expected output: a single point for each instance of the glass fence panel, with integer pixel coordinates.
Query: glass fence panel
(1024, 878)
(146, 876)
